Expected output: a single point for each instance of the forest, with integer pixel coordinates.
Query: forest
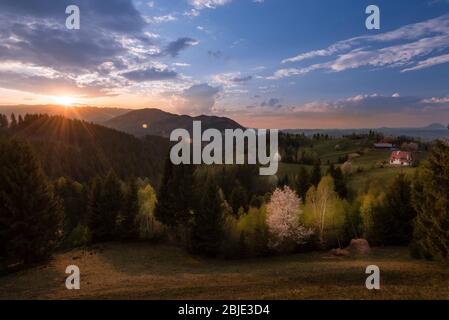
(68, 183)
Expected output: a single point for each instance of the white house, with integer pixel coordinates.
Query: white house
(401, 158)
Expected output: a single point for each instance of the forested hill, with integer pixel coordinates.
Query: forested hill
(81, 150)
(160, 123)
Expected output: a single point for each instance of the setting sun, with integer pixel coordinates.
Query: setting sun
(64, 100)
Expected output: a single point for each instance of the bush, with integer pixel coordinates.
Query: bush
(80, 236)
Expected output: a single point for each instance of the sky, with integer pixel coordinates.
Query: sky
(264, 63)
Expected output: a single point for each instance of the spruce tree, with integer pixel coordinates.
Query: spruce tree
(339, 181)
(176, 196)
(3, 121)
(393, 220)
(165, 210)
(302, 183)
(128, 227)
(431, 201)
(105, 204)
(316, 173)
(13, 123)
(30, 213)
(74, 203)
(94, 208)
(238, 198)
(207, 224)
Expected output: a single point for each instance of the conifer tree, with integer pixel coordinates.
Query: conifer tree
(207, 224)
(238, 198)
(30, 213)
(393, 220)
(3, 121)
(74, 203)
(165, 211)
(13, 123)
(129, 229)
(105, 204)
(316, 173)
(339, 181)
(302, 183)
(431, 202)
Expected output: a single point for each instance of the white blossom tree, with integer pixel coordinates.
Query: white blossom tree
(283, 219)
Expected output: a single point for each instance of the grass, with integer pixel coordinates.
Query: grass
(145, 271)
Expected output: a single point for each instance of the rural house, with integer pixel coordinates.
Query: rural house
(401, 158)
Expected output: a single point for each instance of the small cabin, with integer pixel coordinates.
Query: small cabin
(401, 158)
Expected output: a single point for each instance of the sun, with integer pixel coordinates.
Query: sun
(64, 100)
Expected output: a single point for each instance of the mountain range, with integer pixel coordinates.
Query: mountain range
(140, 123)
(143, 122)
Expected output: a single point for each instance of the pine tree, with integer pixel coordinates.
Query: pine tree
(339, 181)
(94, 208)
(176, 197)
(302, 183)
(3, 121)
(393, 220)
(165, 210)
(431, 202)
(207, 224)
(238, 198)
(128, 228)
(316, 173)
(13, 123)
(74, 202)
(30, 213)
(105, 204)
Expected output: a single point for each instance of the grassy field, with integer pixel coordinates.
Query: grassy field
(145, 271)
(373, 164)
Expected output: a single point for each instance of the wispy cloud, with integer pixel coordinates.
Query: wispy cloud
(408, 48)
(207, 4)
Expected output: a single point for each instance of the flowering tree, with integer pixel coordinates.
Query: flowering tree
(283, 219)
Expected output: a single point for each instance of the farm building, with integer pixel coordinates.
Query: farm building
(401, 158)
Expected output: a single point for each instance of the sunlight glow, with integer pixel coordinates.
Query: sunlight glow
(64, 100)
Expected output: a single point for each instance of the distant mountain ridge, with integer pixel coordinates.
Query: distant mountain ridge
(138, 122)
(427, 133)
(144, 122)
(86, 113)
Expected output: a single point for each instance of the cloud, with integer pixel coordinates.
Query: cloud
(196, 100)
(36, 34)
(405, 48)
(429, 63)
(272, 102)
(174, 48)
(218, 54)
(150, 74)
(231, 79)
(49, 85)
(207, 4)
(434, 100)
(110, 52)
(181, 65)
(161, 19)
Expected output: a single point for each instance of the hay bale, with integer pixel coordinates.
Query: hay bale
(359, 247)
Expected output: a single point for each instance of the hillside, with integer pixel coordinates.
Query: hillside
(157, 122)
(81, 150)
(90, 114)
(145, 271)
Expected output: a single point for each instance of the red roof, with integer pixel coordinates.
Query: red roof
(401, 155)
